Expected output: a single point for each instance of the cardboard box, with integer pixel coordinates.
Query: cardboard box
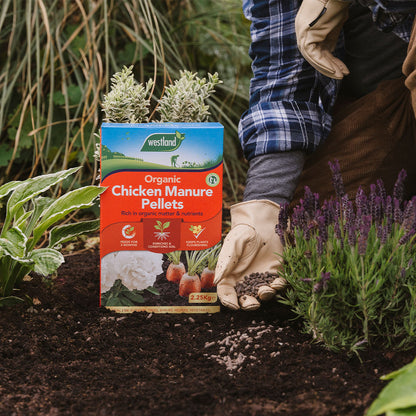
(164, 194)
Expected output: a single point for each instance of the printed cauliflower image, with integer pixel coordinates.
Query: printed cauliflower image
(136, 269)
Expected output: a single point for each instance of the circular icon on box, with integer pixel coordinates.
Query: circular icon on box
(212, 179)
(128, 231)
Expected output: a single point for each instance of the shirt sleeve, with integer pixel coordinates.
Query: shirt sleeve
(395, 16)
(290, 102)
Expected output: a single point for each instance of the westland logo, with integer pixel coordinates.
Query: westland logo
(163, 142)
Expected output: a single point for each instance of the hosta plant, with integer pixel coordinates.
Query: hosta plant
(351, 266)
(31, 219)
(398, 398)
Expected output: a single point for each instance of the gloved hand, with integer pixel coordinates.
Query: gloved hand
(318, 24)
(252, 245)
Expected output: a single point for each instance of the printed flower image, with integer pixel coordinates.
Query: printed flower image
(196, 230)
(161, 234)
(135, 269)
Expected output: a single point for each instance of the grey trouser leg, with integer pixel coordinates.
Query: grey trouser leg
(274, 176)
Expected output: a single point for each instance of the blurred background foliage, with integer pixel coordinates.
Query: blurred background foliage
(57, 58)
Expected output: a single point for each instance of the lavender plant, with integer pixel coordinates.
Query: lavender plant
(351, 266)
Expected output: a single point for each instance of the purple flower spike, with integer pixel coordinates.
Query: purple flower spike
(364, 230)
(372, 196)
(320, 245)
(337, 181)
(349, 214)
(389, 214)
(377, 209)
(398, 190)
(325, 279)
(361, 202)
(407, 236)
(323, 283)
(352, 237)
(382, 192)
(323, 231)
(309, 201)
(384, 235)
(284, 216)
(397, 213)
(409, 216)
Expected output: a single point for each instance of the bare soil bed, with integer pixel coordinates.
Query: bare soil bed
(66, 356)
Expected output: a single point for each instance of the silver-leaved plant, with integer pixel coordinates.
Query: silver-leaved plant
(185, 100)
(128, 101)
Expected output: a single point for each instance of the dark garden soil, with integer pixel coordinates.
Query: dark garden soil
(66, 356)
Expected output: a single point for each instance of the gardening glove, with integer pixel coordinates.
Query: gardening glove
(251, 246)
(318, 24)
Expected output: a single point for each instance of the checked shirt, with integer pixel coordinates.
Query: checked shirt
(290, 102)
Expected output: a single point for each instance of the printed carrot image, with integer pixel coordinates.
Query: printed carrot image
(176, 268)
(208, 274)
(190, 281)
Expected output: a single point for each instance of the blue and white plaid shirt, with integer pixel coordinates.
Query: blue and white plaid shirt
(290, 102)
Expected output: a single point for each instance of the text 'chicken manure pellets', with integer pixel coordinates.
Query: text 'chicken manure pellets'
(252, 282)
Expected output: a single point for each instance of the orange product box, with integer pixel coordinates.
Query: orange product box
(163, 197)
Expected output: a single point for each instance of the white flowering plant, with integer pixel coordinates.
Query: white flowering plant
(29, 218)
(125, 275)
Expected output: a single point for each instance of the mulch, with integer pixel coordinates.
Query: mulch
(64, 355)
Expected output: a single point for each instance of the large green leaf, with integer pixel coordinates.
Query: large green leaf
(47, 260)
(13, 243)
(40, 204)
(10, 301)
(8, 187)
(21, 221)
(401, 370)
(76, 199)
(30, 188)
(400, 393)
(410, 411)
(62, 233)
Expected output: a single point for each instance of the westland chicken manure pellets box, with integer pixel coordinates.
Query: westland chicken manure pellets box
(163, 200)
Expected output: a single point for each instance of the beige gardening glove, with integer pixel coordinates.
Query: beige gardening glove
(318, 24)
(252, 245)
